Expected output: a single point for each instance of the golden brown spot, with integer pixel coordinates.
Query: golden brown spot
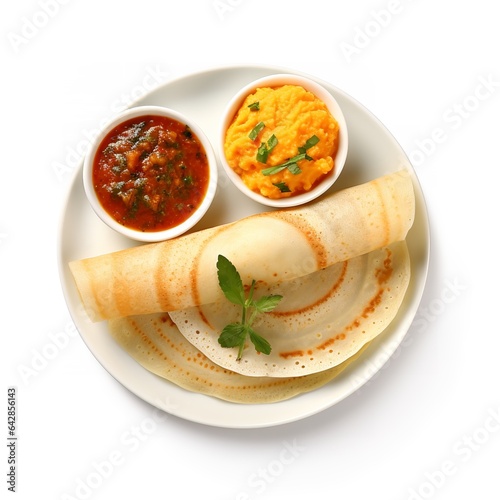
(372, 305)
(291, 354)
(167, 319)
(384, 274)
(161, 280)
(330, 342)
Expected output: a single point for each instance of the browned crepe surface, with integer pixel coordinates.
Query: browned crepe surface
(323, 319)
(271, 247)
(155, 342)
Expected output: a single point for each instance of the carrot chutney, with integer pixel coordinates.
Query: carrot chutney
(150, 173)
(282, 141)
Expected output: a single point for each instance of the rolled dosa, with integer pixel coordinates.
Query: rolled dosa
(270, 247)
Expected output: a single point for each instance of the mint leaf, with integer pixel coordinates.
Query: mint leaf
(230, 281)
(267, 303)
(260, 343)
(233, 335)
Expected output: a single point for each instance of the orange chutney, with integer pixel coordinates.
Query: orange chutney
(282, 141)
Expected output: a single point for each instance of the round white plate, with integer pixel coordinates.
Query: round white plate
(372, 152)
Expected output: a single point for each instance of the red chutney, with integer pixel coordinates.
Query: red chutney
(151, 173)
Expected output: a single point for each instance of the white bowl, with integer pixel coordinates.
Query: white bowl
(332, 105)
(150, 236)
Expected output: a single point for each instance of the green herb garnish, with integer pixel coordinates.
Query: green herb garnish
(282, 187)
(292, 163)
(265, 149)
(255, 131)
(254, 106)
(235, 334)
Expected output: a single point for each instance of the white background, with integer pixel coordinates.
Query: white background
(428, 425)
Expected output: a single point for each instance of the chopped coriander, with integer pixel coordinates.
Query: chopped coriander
(282, 187)
(292, 163)
(294, 168)
(256, 130)
(262, 153)
(235, 334)
(312, 141)
(265, 149)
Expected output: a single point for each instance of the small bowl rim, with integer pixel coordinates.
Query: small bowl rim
(150, 236)
(277, 80)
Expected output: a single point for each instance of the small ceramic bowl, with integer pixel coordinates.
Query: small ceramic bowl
(149, 235)
(320, 92)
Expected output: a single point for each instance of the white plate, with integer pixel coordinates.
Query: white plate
(372, 152)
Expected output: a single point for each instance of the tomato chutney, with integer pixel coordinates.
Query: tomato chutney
(150, 173)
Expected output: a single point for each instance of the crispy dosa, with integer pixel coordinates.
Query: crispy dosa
(156, 343)
(323, 319)
(270, 247)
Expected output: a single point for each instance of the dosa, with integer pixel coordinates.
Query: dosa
(323, 319)
(155, 343)
(271, 247)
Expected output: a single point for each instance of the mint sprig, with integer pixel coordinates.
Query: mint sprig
(235, 334)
